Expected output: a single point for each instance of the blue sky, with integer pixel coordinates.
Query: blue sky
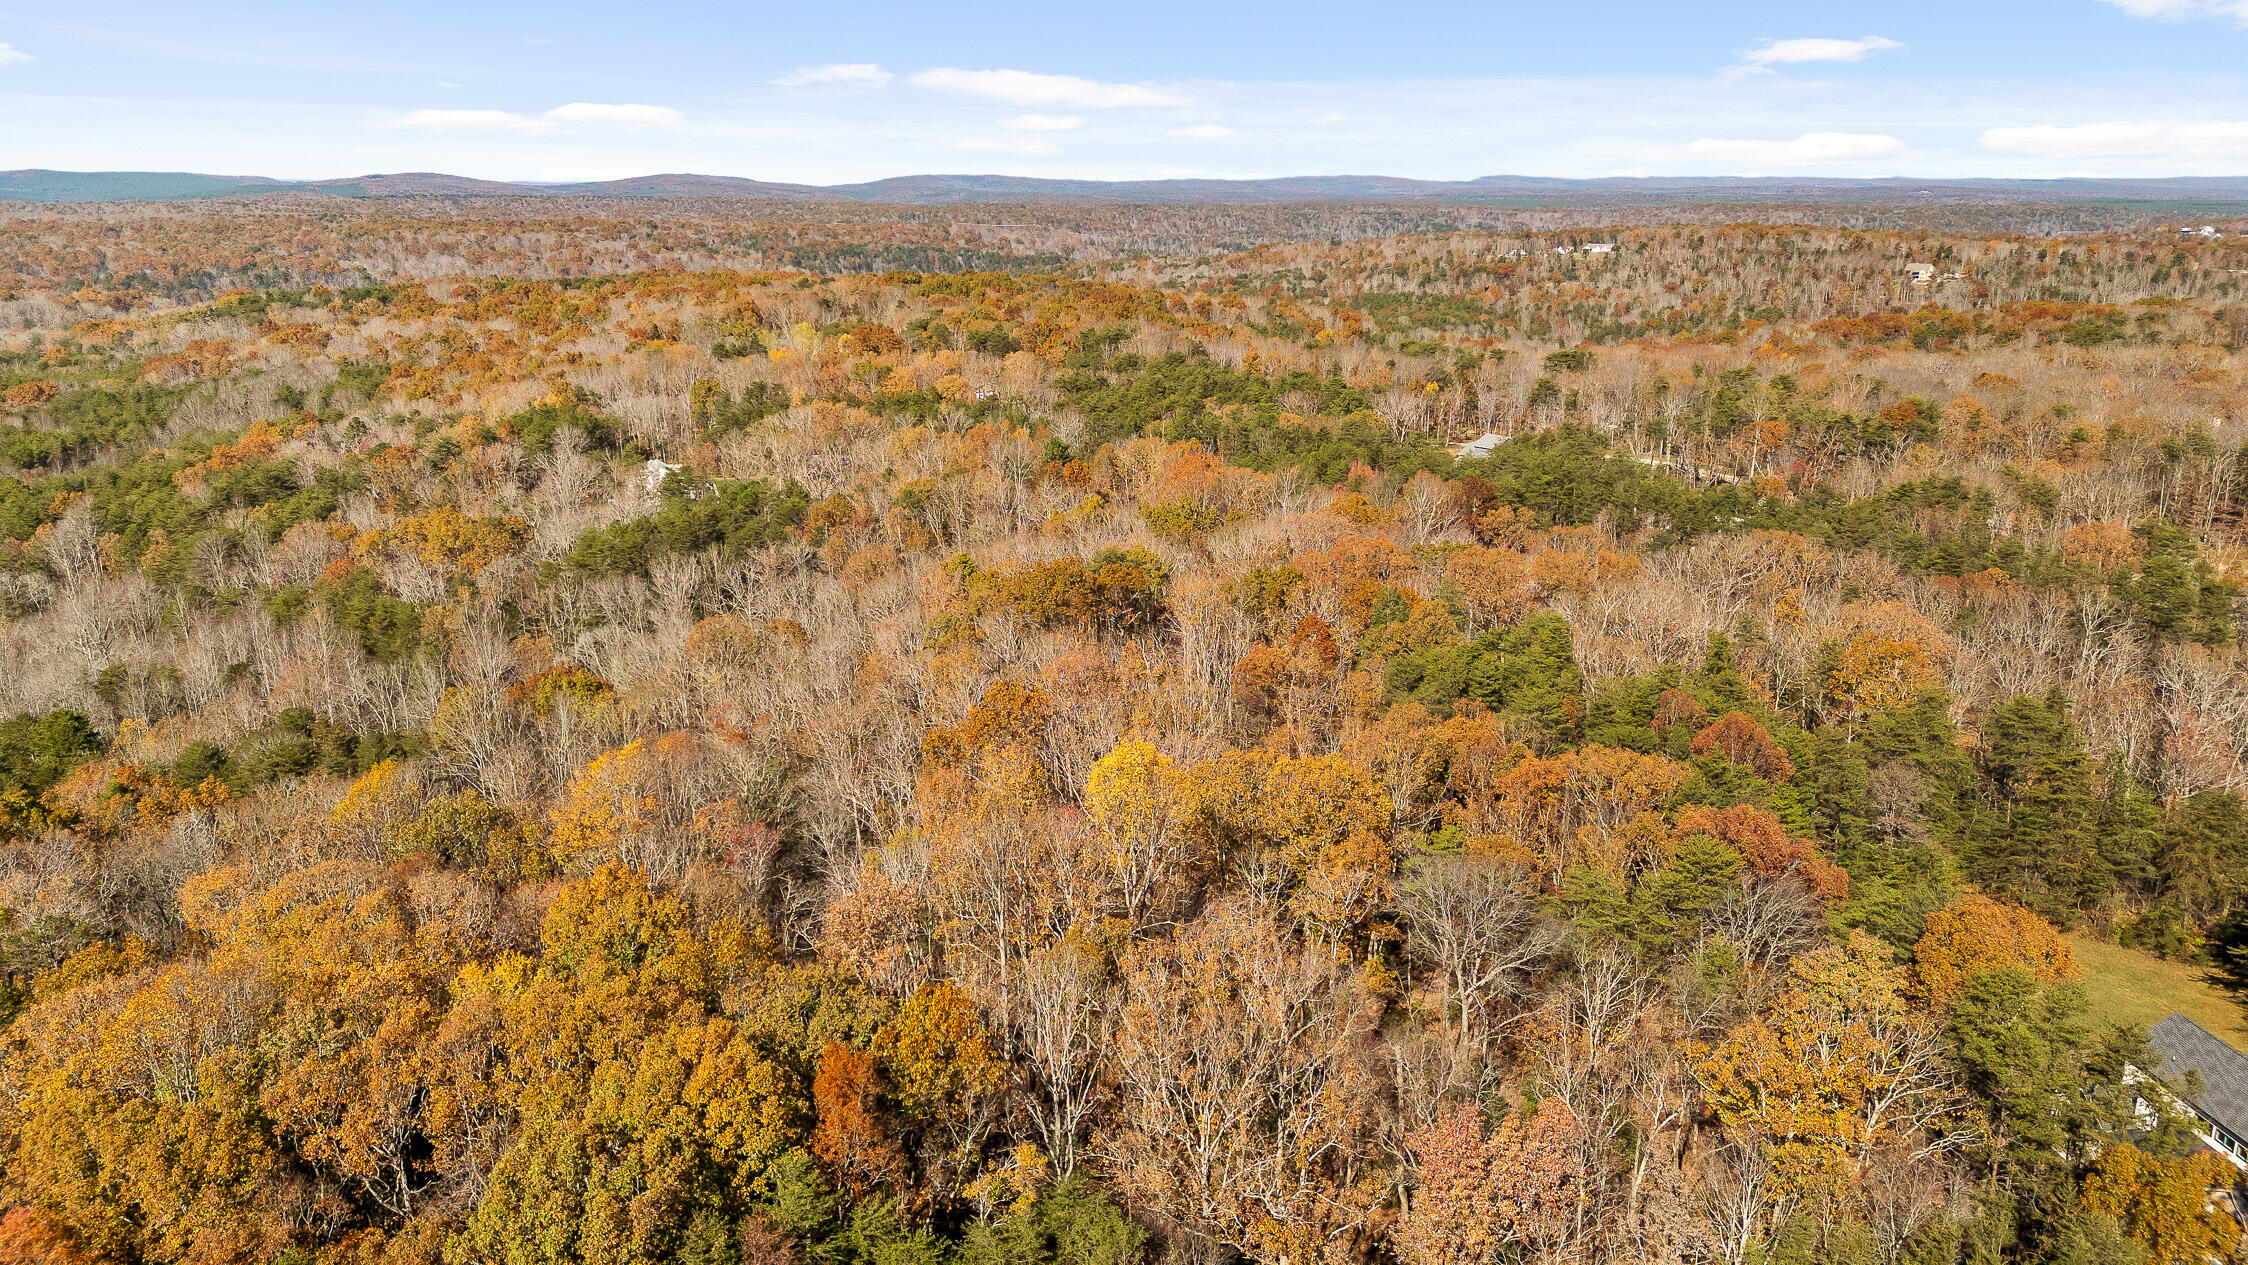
(837, 92)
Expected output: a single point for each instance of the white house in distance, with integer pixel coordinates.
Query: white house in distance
(654, 471)
(1600, 248)
(2206, 230)
(1920, 274)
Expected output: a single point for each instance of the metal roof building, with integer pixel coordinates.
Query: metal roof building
(2220, 1105)
(1483, 447)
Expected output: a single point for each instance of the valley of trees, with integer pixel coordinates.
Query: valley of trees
(621, 735)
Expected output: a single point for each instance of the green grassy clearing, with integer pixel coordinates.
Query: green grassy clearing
(2127, 986)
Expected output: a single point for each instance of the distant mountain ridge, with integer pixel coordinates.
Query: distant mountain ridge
(38, 185)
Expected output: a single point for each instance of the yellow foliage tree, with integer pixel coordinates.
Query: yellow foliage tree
(1838, 1067)
(637, 806)
(1322, 822)
(1143, 808)
(2170, 1208)
(380, 799)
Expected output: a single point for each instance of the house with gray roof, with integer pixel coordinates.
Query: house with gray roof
(2209, 1078)
(1483, 447)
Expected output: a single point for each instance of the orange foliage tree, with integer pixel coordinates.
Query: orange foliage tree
(1975, 934)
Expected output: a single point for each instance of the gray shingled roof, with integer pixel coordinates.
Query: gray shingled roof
(2184, 1044)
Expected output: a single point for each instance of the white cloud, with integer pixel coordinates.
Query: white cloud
(1203, 132)
(849, 74)
(1809, 149)
(1043, 122)
(473, 121)
(1025, 88)
(10, 55)
(1761, 59)
(598, 112)
(2178, 10)
(1021, 149)
(553, 120)
(2157, 139)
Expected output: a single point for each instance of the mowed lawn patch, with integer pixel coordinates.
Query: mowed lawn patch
(2127, 986)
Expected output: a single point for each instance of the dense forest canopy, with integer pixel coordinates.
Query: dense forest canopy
(633, 734)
